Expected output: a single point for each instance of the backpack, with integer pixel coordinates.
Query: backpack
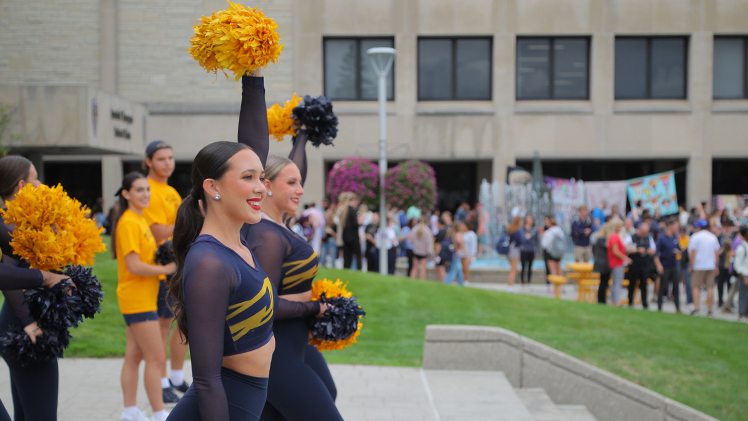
(503, 243)
(447, 251)
(558, 246)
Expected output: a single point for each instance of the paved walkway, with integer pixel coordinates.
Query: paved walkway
(569, 293)
(90, 391)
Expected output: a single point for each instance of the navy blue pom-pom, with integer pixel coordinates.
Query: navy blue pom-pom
(339, 322)
(54, 307)
(316, 114)
(87, 290)
(49, 346)
(165, 254)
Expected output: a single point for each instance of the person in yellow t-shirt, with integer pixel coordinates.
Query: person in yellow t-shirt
(137, 290)
(161, 214)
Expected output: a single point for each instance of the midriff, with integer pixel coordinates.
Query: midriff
(255, 363)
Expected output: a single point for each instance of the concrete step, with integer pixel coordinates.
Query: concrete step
(474, 395)
(542, 408)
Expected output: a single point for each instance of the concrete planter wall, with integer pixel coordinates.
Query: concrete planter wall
(527, 363)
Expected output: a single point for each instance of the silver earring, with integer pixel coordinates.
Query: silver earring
(270, 193)
(217, 196)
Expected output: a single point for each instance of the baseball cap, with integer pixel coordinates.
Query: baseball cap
(701, 223)
(155, 146)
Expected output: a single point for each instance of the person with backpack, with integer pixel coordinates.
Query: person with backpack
(554, 242)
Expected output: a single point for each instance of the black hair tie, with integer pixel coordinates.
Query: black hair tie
(118, 193)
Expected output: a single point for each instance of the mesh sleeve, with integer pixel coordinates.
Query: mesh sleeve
(13, 267)
(12, 278)
(208, 285)
(270, 248)
(298, 154)
(253, 118)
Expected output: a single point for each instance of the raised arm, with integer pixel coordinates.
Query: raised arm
(253, 118)
(298, 153)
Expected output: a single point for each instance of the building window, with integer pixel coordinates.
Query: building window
(348, 71)
(454, 69)
(552, 68)
(730, 74)
(651, 67)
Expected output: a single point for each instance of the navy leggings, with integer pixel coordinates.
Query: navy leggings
(35, 386)
(246, 395)
(300, 385)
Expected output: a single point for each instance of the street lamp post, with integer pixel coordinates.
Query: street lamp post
(381, 60)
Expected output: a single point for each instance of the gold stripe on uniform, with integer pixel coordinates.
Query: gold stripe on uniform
(258, 319)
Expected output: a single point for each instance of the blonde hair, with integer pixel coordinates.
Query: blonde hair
(421, 227)
(345, 199)
(275, 165)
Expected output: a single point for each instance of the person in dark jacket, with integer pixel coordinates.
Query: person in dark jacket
(581, 229)
(529, 240)
(349, 223)
(600, 254)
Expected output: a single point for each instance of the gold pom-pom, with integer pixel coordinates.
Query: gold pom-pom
(280, 122)
(333, 289)
(237, 39)
(52, 229)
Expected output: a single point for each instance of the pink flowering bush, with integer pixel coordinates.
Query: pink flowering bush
(357, 175)
(411, 183)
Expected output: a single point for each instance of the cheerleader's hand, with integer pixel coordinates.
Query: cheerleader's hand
(33, 331)
(322, 309)
(50, 279)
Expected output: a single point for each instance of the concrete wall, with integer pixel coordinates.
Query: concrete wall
(567, 380)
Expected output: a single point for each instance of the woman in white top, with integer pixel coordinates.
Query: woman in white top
(551, 235)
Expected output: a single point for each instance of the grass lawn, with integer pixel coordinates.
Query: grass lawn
(700, 362)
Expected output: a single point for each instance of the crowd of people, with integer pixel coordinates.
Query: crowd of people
(348, 234)
(695, 250)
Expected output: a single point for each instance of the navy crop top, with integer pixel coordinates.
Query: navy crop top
(296, 271)
(15, 274)
(230, 307)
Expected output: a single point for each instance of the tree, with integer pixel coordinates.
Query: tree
(411, 183)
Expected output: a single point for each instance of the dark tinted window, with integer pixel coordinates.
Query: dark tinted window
(552, 68)
(651, 68)
(348, 71)
(729, 74)
(454, 69)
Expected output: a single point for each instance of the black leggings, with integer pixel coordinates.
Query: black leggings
(638, 272)
(602, 289)
(245, 394)
(3, 413)
(526, 257)
(669, 278)
(300, 385)
(35, 386)
(349, 252)
(723, 278)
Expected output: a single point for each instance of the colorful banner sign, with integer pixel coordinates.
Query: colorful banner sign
(656, 190)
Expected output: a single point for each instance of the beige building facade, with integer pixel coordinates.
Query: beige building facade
(137, 50)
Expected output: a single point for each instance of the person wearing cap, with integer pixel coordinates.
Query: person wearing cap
(160, 215)
(703, 250)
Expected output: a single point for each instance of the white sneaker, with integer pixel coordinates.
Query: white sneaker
(140, 416)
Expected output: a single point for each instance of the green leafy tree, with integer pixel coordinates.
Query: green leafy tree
(6, 116)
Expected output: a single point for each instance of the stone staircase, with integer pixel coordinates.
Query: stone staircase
(488, 395)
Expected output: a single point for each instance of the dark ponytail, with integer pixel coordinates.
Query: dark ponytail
(13, 168)
(121, 205)
(211, 162)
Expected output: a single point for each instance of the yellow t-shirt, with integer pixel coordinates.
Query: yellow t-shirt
(135, 294)
(162, 209)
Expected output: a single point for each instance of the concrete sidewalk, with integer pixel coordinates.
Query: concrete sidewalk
(569, 293)
(90, 391)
